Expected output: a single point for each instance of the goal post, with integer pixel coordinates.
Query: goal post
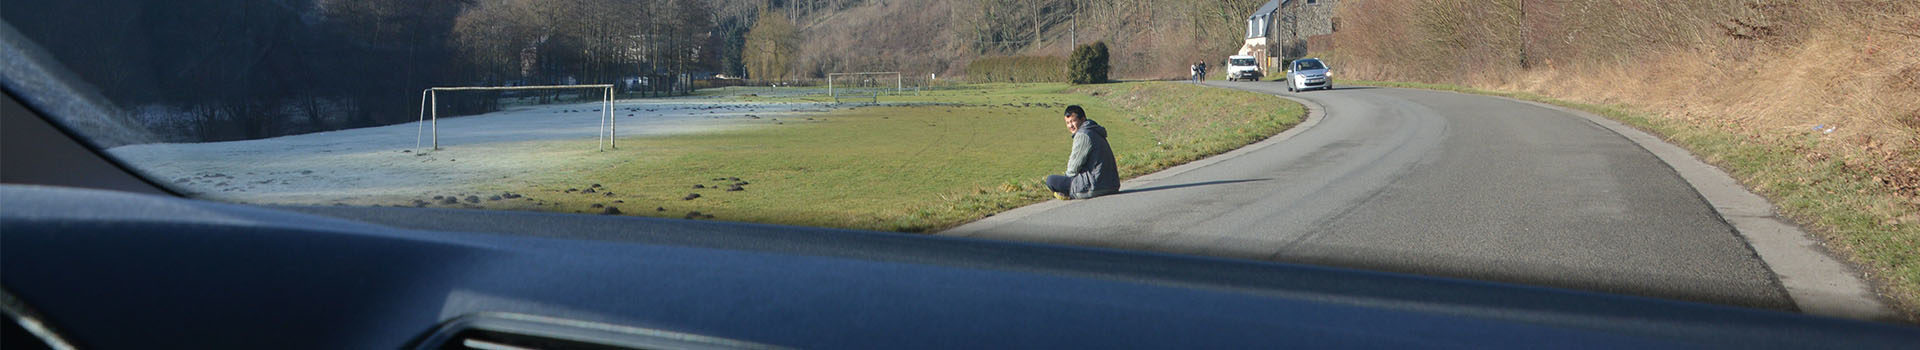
(864, 84)
(430, 110)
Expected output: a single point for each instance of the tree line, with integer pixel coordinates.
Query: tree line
(243, 69)
(1148, 39)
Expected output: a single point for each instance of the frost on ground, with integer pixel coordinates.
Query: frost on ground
(381, 166)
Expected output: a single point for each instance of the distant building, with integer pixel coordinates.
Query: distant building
(1287, 29)
(529, 61)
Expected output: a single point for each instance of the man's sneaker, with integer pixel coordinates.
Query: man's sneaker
(1061, 196)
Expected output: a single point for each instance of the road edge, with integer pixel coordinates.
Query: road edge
(1818, 283)
(1314, 112)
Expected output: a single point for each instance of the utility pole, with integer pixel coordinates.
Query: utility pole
(1526, 34)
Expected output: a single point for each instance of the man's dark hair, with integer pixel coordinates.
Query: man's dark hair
(1077, 112)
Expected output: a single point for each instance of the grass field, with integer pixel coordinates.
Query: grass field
(964, 154)
(1844, 204)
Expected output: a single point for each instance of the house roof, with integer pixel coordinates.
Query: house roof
(1270, 7)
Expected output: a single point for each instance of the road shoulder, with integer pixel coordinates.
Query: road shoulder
(1817, 282)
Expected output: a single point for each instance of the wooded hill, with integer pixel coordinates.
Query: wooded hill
(1149, 39)
(210, 70)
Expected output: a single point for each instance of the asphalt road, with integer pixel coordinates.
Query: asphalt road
(1431, 183)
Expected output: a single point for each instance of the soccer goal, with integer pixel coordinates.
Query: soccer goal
(863, 85)
(430, 110)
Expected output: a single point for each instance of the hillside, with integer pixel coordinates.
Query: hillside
(240, 69)
(1150, 40)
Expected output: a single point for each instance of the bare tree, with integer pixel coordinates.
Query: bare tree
(771, 46)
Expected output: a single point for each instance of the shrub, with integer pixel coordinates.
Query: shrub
(1017, 69)
(1101, 64)
(1089, 64)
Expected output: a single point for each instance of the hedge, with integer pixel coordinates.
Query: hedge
(1018, 69)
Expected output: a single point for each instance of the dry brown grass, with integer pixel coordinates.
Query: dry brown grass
(1764, 72)
(909, 36)
(1148, 39)
(1853, 65)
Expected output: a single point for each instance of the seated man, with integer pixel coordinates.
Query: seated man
(1091, 171)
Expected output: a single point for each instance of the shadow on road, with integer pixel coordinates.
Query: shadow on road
(1282, 85)
(1169, 187)
(1347, 87)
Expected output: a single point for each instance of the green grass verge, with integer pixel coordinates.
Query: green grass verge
(1844, 205)
(904, 168)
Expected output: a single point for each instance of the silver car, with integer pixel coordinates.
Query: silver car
(1308, 74)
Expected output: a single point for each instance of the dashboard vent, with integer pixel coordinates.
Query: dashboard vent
(506, 331)
(490, 340)
(24, 328)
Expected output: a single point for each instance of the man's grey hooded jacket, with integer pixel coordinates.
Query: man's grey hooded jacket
(1091, 164)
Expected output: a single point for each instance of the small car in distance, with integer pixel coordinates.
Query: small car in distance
(1308, 74)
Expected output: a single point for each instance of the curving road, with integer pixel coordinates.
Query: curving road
(1431, 183)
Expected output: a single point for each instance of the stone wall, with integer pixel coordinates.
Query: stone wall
(1299, 20)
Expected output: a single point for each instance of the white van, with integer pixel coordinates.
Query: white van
(1241, 67)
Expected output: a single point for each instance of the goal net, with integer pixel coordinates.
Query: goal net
(430, 110)
(864, 85)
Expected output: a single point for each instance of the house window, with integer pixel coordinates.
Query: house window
(1261, 25)
(1257, 26)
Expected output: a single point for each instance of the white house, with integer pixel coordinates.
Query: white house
(1284, 29)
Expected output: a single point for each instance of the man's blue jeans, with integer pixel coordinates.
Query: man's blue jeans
(1059, 183)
